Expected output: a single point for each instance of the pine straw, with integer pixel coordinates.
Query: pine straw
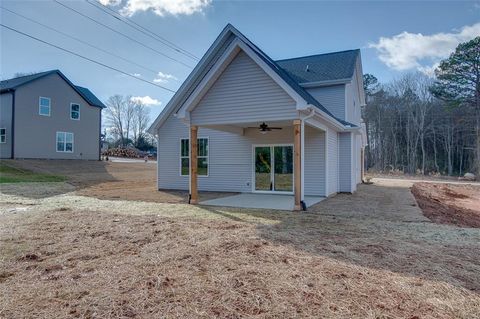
(82, 264)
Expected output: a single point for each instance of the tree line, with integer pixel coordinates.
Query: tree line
(422, 125)
(128, 120)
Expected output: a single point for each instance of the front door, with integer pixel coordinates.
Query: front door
(274, 168)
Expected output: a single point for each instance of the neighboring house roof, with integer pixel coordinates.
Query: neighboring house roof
(12, 84)
(208, 60)
(321, 67)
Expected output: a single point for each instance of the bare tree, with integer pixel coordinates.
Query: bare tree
(140, 121)
(115, 116)
(127, 117)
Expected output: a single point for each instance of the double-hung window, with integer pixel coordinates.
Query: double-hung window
(64, 142)
(75, 111)
(44, 106)
(3, 135)
(202, 157)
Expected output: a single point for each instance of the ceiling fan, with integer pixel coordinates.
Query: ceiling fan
(264, 128)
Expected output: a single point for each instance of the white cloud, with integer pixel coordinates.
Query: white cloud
(165, 7)
(406, 50)
(110, 2)
(429, 70)
(136, 75)
(146, 100)
(164, 77)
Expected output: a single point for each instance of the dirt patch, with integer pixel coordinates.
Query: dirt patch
(449, 204)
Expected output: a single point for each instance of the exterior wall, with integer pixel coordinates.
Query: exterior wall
(332, 154)
(314, 162)
(352, 99)
(345, 162)
(6, 113)
(332, 97)
(230, 158)
(35, 135)
(243, 93)
(358, 159)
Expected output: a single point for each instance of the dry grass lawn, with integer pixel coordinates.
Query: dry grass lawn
(67, 253)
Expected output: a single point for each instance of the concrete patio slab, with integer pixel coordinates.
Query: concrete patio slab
(265, 201)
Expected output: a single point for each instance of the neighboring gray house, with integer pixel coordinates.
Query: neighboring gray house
(46, 116)
(290, 127)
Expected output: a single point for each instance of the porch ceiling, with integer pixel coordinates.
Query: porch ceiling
(285, 123)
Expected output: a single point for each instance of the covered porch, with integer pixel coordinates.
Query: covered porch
(275, 153)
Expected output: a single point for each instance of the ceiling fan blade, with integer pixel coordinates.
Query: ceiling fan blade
(275, 128)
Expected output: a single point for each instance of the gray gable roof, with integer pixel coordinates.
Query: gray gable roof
(89, 96)
(12, 84)
(209, 59)
(321, 67)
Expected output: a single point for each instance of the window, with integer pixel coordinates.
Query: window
(3, 135)
(202, 157)
(44, 106)
(65, 142)
(75, 111)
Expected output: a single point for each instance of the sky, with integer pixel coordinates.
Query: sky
(394, 37)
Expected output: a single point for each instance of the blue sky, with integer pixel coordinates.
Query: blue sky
(394, 37)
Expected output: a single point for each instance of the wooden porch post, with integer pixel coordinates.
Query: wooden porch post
(297, 131)
(193, 165)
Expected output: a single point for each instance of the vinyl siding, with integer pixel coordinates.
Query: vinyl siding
(231, 158)
(345, 162)
(243, 93)
(6, 101)
(332, 162)
(358, 162)
(314, 180)
(353, 101)
(39, 140)
(332, 97)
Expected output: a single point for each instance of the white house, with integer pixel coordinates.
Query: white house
(263, 126)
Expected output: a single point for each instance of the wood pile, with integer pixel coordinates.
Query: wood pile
(123, 152)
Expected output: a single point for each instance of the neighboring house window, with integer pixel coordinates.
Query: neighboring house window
(75, 111)
(64, 142)
(202, 157)
(3, 135)
(44, 106)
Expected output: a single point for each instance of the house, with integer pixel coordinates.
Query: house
(242, 122)
(46, 116)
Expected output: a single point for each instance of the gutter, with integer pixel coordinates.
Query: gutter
(325, 83)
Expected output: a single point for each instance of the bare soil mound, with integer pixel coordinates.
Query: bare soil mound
(449, 204)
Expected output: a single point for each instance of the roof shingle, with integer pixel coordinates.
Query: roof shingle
(321, 67)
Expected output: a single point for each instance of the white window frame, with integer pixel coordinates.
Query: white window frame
(40, 106)
(65, 142)
(198, 157)
(72, 104)
(4, 135)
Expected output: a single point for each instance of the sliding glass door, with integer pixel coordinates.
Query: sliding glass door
(274, 168)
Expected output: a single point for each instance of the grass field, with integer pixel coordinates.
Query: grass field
(9, 174)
